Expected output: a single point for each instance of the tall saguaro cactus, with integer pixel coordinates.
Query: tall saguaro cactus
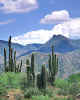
(9, 45)
(50, 69)
(53, 66)
(43, 77)
(11, 60)
(32, 68)
(15, 61)
(28, 71)
(5, 62)
(20, 66)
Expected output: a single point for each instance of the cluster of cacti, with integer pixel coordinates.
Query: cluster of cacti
(12, 67)
(42, 78)
(53, 66)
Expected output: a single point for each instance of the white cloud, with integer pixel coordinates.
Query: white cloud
(56, 17)
(70, 29)
(39, 36)
(18, 6)
(7, 22)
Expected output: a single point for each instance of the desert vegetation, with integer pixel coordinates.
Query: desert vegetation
(29, 85)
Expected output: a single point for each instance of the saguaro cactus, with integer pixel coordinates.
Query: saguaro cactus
(20, 66)
(53, 66)
(9, 45)
(32, 68)
(39, 83)
(50, 69)
(15, 61)
(28, 72)
(11, 60)
(5, 62)
(43, 77)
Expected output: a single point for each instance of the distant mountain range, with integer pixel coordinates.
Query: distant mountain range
(68, 51)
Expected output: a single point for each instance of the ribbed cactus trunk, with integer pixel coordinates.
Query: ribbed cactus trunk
(32, 69)
(50, 69)
(43, 77)
(5, 60)
(14, 61)
(20, 66)
(53, 66)
(9, 45)
(39, 83)
(28, 72)
(11, 60)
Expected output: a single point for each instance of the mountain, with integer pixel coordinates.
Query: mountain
(61, 44)
(68, 52)
(69, 63)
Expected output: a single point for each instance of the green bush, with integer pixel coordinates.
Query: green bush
(59, 83)
(32, 92)
(63, 92)
(40, 97)
(74, 89)
(2, 90)
(12, 80)
(60, 98)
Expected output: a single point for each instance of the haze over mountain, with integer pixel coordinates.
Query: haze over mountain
(68, 51)
(61, 45)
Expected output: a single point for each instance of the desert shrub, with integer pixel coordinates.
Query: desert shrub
(40, 97)
(18, 97)
(3, 99)
(59, 83)
(49, 92)
(56, 98)
(31, 92)
(12, 80)
(70, 98)
(74, 89)
(2, 90)
(63, 92)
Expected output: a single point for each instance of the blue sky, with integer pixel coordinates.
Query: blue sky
(22, 17)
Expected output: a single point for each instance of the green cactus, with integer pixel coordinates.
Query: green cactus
(20, 66)
(32, 69)
(14, 61)
(53, 66)
(43, 77)
(28, 72)
(39, 85)
(9, 45)
(5, 60)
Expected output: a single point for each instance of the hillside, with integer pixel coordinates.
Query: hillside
(67, 50)
(69, 63)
